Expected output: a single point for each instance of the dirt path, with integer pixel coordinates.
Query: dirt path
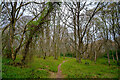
(56, 75)
(59, 73)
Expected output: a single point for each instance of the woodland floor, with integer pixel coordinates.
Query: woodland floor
(61, 68)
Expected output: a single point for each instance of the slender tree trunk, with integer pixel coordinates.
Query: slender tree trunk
(48, 38)
(117, 55)
(11, 41)
(79, 58)
(44, 55)
(43, 43)
(64, 54)
(113, 57)
(108, 58)
(75, 36)
(59, 30)
(79, 45)
(54, 38)
(41, 46)
(95, 56)
(55, 50)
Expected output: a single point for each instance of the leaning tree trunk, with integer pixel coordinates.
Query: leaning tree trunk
(32, 32)
(27, 46)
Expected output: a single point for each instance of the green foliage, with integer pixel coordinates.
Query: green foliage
(17, 37)
(44, 12)
(6, 61)
(42, 15)
(35, 23)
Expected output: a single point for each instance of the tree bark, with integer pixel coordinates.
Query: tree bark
(75, 36)
(78, 31)
(117, 55)
(95, 56)
(113, 57)
(27, 46)
(54, 38)
(48, 38)
(108, 58)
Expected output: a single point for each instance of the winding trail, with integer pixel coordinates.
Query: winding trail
(55, 75)
(59, 73)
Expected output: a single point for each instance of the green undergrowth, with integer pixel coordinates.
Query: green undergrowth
(49, 63)
(40, 68)
(10, 71)
(37, 68)
(17, 72)
(101, 69)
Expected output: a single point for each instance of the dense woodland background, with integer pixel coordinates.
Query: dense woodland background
(81, 30)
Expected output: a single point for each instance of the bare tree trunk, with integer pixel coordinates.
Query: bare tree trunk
(75, 36)
(79, 58)
(113, 57)
(43, 43)
(108, 58)
(64, 54)
(95, 56)
(117, 55)
(48, 38)
(44, 55)
(11, 40)
(9, 55)
(79, 45)
(58, 34)
(55, 51)
(54, 38)
(12, 29)
(26, 48)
